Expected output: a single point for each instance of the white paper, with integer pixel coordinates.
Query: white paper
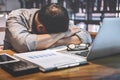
(49, 59)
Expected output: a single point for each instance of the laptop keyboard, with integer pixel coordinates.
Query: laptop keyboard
(79, 53)
(82, 53)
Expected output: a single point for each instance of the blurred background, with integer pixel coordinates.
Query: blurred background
(86, 14)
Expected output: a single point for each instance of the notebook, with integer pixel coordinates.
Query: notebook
(49, 60)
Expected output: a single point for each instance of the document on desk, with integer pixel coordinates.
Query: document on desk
(58, 48)
(48, 60)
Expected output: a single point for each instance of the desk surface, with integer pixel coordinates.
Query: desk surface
(107, 68)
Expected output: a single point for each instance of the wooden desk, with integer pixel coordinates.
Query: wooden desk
(107, 68)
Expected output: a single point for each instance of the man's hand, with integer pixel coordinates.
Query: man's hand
(71, 31)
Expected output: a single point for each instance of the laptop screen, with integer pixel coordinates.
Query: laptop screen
(107, 41)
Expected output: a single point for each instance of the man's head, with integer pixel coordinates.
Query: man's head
(54, 18)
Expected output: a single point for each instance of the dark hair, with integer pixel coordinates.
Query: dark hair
(54, 17)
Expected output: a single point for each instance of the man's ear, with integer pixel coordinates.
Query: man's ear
(40, 28)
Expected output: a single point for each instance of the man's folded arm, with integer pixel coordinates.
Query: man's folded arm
(82, 36)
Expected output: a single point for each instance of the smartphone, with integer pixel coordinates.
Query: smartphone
(6, 58)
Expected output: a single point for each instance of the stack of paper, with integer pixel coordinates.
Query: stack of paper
(49, 60)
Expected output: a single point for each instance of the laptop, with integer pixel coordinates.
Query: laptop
(107, 41)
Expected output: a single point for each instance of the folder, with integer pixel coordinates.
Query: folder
(49, 60)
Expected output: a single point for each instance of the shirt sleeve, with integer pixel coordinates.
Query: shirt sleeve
(18, 35)
(84, 35)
